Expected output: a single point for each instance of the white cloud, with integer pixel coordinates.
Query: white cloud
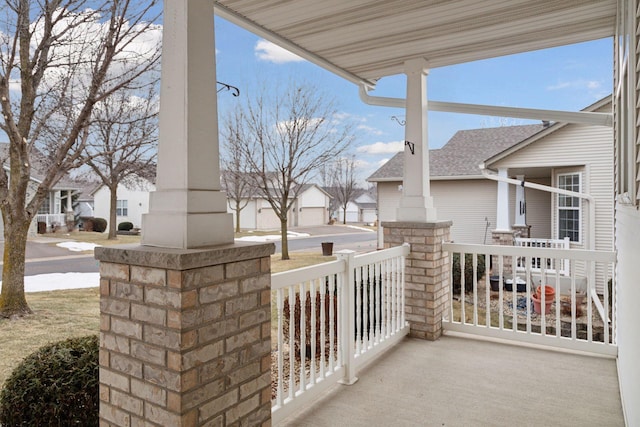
(558, 86)
(382, 147)
(575, 84)
(370, 129)
(267, 51)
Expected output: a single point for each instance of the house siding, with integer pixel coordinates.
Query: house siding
(465, 202)
(594, 162)
(469, 204)
(137, 196)
(587, 150)
(538, 209)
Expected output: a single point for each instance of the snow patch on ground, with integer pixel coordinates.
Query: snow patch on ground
(360, 228)
(58, 281)
(270, 237)
(77, 246)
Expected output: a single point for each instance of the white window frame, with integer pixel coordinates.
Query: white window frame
(122, 207)
(577, 208)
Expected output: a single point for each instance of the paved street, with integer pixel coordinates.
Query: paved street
(43, 256)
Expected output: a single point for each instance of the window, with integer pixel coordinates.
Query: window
(121, 208)
(569, 208)
(46, 205)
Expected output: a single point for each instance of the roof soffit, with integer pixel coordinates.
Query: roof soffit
(369, 39)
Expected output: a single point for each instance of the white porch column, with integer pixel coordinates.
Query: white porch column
(520, 207)
(502, 213)
(416, 203)
(187, 210)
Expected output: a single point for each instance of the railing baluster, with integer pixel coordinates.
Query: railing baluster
(500, 297)
(358, 309)
(402, 263)
(607, 297)
(280, 310)
(543, 301)
(368, 306)
(558, 302)
(312, 338)
(475, 289)
(323, 323)
(303, 336)
(292, 345)
(514, 295)
(529, 287)
(590, 285)
(574, 309)
(336, 348)
(463, 315)
(487, 290)
(378, 305)
(387, 301)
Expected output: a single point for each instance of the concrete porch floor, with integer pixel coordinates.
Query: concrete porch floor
(463, 382)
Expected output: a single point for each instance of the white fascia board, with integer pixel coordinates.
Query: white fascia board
(256, 29)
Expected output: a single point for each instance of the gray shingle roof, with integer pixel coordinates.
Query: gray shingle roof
(462, 154)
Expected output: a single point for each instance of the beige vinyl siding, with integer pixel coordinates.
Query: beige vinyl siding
(467, 203)
(388, 200)
(576, 147)
(538, 209)
(589, 151)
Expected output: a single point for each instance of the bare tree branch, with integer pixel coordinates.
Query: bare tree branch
(288, 137)
(59, 59)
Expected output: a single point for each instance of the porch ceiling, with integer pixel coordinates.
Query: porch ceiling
(364, 40)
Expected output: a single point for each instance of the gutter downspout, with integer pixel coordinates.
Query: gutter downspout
(584, 117)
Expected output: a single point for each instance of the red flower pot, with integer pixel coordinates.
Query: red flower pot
(537, 303)
(549, 292)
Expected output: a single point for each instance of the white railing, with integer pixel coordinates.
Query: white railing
(580, 315)
(331, 319)
(51, 219)
(536, 262)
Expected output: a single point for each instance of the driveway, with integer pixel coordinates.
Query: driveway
(43, 247)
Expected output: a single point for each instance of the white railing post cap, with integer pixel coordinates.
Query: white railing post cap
(345, 252)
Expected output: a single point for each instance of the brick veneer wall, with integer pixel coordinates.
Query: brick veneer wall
(185, 336)
(426, 275)
(502, 238)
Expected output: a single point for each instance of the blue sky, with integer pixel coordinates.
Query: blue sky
(566, 78)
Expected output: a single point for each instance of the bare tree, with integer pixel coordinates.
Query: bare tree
(289, 136)
(58, 58)
(235, 176)
(343, 186)
(122, 142)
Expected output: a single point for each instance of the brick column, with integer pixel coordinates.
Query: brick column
(426, 275)
(502, 238)
(185, 336)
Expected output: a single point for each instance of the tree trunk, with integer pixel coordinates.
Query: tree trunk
(238, 209)
(12, 298)
(112, 213)
(285, 242)
(344, 219)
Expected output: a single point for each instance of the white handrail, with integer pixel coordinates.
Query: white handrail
(510, 313)
(341, 314)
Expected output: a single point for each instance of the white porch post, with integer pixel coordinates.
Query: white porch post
(188, 210)
(416, 203)
(502, 214)
(520, 217)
